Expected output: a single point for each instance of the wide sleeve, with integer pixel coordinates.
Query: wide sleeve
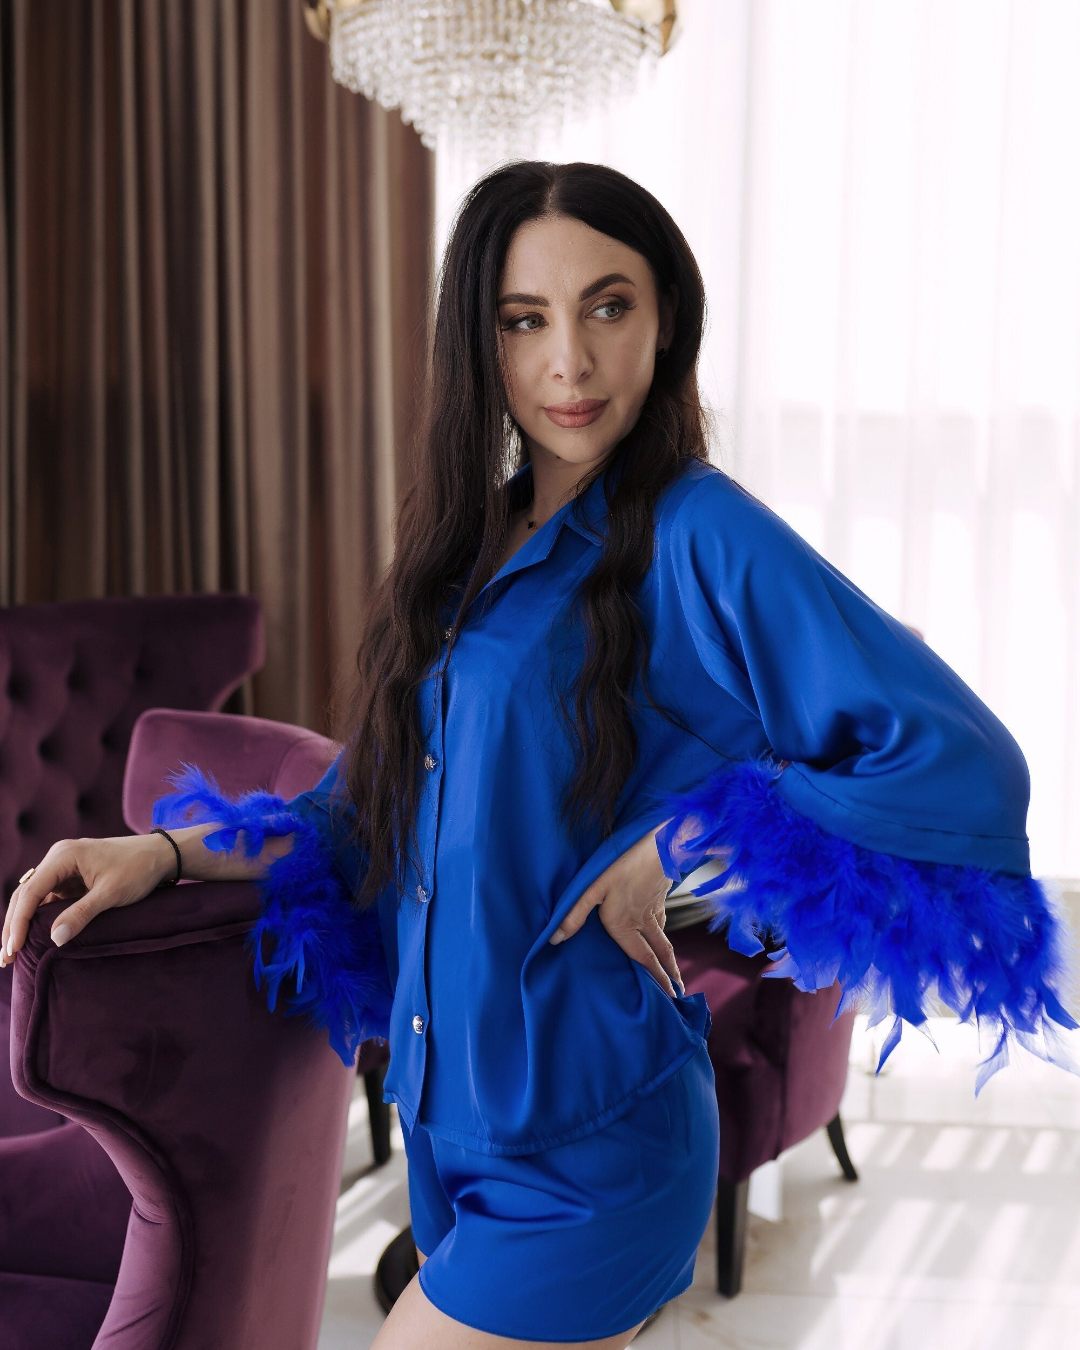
(332, 950)
(881, 841)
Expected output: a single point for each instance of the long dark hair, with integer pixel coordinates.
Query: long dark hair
(454, 518)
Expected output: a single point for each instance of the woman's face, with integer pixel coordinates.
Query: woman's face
(580, 320)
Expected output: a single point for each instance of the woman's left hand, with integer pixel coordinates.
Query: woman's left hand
(630, 895)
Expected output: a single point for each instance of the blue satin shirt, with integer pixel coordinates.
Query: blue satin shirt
(505, 1044)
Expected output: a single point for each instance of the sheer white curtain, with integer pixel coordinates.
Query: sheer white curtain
(885, 202)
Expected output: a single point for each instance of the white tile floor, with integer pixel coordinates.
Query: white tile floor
(963, 1232)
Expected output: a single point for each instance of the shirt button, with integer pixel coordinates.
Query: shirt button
(430, 761)
(421, 894)
(418, 1024)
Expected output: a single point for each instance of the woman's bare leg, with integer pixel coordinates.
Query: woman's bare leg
(415, 1323)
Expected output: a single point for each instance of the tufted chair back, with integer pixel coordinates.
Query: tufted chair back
(73, 679)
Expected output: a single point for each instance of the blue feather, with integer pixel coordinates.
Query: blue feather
(332, 949)
(896, 933)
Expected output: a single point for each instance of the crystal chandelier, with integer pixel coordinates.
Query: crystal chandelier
(485, 77)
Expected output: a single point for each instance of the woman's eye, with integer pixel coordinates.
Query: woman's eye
(515, 324)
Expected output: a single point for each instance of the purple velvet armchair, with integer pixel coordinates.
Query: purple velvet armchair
(189, 1200)
(781, 1065)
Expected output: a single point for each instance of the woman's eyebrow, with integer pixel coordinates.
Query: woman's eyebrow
(520, 299)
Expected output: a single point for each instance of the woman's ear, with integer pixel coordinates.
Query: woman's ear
(669, 306)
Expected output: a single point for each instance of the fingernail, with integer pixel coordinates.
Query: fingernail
(11, 945)
(558, 937)
(60, 934)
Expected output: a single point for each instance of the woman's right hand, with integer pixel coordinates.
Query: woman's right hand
(98, 874)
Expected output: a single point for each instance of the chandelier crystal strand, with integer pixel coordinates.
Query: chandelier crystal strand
(485, 78)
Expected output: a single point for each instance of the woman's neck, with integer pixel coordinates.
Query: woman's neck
(554, 483)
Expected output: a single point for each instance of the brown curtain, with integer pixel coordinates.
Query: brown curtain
(213, 316)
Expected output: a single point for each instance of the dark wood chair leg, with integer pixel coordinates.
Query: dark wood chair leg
(378, 1113)
(835, 1131)
(397, 1265)
(730, 1235)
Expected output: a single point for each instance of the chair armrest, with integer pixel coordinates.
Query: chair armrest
(226, 1122)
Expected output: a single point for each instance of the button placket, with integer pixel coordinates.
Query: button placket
(430, 796)
(416, 1056)
(425, 885)
(411, 1056)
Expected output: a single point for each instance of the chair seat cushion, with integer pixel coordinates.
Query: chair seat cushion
(44, 1310)
(64, 1208)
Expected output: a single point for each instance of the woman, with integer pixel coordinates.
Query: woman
(595, 663)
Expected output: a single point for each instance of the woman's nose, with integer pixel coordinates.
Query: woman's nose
(570, 359)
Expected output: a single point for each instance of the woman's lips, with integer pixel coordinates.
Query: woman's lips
(577, 419)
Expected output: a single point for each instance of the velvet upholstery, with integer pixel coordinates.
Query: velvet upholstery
(241, 752)
(780, 1060)
(372, 1055)
(73, 679)
(224, 1123)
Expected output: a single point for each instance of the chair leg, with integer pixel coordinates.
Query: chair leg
(835, 1131)
(397, 1265)
(378, 1114)
(730, 1235)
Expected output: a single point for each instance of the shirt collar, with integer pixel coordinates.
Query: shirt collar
(586, 514)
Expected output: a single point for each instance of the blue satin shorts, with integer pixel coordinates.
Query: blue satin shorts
(577, 1242)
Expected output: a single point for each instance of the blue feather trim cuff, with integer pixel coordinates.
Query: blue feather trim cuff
(333, 950)
(894, 932)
